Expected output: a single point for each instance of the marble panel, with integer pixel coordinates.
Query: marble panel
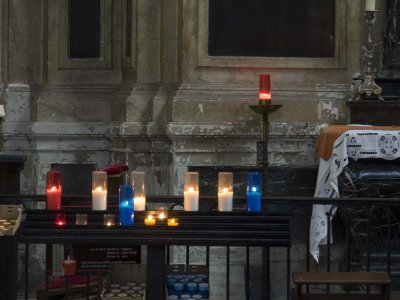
(72, 111)
(18, 103)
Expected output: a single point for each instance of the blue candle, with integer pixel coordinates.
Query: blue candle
(253, 195)
(126, 211)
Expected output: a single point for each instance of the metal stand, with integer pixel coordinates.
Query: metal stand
(264, 108)
(369, 89)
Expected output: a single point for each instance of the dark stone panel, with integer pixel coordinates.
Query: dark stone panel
(282, 181)
(377, 113)
(10, 168)
(272, 28)
(76, 178)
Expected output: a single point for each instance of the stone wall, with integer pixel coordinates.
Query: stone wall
(167, 105)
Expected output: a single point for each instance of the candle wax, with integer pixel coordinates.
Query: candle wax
(53, 198)
(139, 203)
(369, 5)
(225, 201)
(173, 222)
(150, 220)
(253, 201)
(191, 200)
(126, 213)
(99, 199)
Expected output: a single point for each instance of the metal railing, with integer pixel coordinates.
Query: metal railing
(365, 232)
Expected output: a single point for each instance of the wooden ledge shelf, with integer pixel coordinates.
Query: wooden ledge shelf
(356, 278)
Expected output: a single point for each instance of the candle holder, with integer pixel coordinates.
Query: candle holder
(264, 109)
(81, 219)
(138, 183)
(253, 194)
(108, 220)
(369, 90)
(69, 266)
(173, 222)
(162, 213)
(60, 220)
(150, 219)
(126, 209)
(99, 190)
(225, 191)
(191, 191)
(53, 190)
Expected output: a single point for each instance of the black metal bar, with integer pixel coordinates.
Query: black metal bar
(207, 256)
(368, 245)
(46, 286)
(87, 286)
(187, 255)
(168, 255)
(389, 238)
(328, 247)
(287, 273)
(26, 271)
(227, 273)
(266, 273)
(155, 272)
(247, 275)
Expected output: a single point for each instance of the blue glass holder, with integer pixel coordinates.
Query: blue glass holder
(126, 208)
(254, 188)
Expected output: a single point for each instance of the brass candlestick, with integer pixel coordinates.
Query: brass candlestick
(264, 108)
(369, 90)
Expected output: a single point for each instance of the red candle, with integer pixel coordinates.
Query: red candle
(60, 220)
(53, 190)
(265, 87)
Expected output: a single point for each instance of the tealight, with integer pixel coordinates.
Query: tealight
(150, 220)
(162, 212)
(60, 220)
(108, 220)
(173, 222)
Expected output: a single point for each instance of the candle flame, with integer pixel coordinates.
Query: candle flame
(254, 189)
(225, 190)
(53, 188)
(265, 96)
(161, 216)
(191, 189)
(98, 189)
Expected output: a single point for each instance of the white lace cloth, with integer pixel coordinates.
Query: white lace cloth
(356, 144)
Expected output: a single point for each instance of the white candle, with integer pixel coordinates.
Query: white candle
(139, 203)
(225, 200)
(369, 5)
(191, 200)
(99, 199)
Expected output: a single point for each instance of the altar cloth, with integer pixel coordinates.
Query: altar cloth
(356, 142)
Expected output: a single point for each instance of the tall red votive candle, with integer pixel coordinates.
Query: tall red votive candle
(265, 87)
(53, 190)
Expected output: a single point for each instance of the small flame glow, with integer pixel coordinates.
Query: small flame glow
(254, 189)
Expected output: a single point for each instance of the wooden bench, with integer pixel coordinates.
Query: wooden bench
(356, 278)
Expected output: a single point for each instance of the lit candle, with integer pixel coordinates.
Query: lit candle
(108, 220)
(265, 87)
(150, 220)
(138, 183)
(53, 198)
(369, 5)
(126, 209)
(225, 200)
(162, 213)
(53, 190)
(139, 203)
(60, 220)
(253, 195)
(225, 192)
(172, 222)
(191, 191)
(99, 199)
(191, 199)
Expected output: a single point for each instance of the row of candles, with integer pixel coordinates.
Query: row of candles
(132, 197)
(160, 215)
